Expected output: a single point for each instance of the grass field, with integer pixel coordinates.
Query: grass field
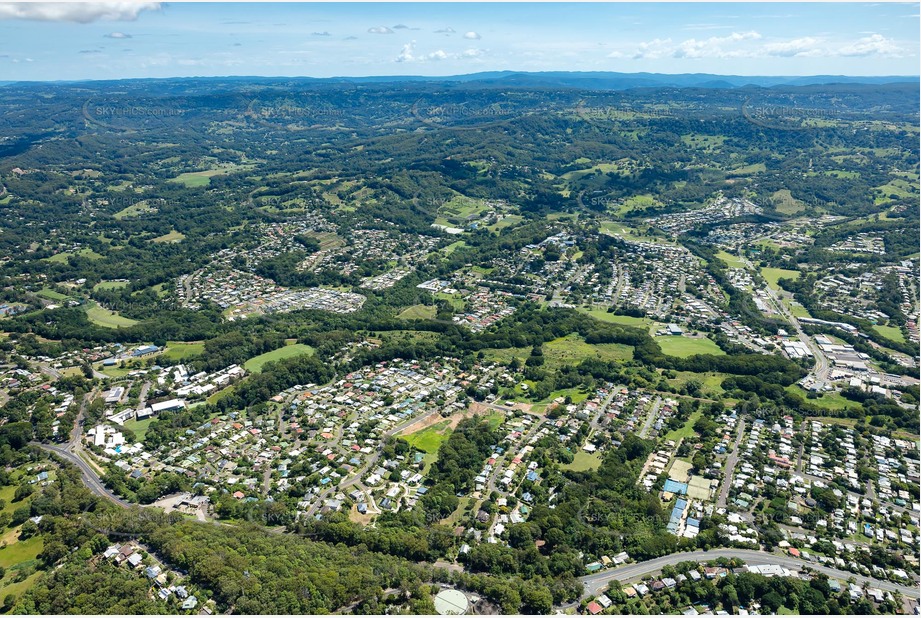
(829, 401)
(574, 394)
(686, 430)
(110, 285)
(495, 419)
(139, 427)
(454, 246)
(572, 348)
(199, 179)
(135, 210)
(504, 222)
(430, 438)
(635, 202)
(20, 551)
(181, 350)
(51, 294)
(755, 168)
(8, 586)
(255, 364)
(732, 261)
(626, 320)
(418, 312)
(582, 461)
(712, 381)
(172, 236)
(797, 309)
(771, 275)
(61, 258)
(683, 347)
(786, 203)
(891, 332)
(613, 228)
(108, 319)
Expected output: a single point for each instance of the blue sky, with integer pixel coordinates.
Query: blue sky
(51, 41)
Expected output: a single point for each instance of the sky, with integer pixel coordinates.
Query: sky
(113, 40)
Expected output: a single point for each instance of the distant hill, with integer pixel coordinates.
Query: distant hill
(589, 80)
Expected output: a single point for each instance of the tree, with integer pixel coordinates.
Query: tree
(22, 492)
(772, 601)
(29, 529)
(20, 515)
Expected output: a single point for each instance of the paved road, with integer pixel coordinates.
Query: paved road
(729, 466)
(650, 417)
(821, 368)
(596, 584)
(90, 479)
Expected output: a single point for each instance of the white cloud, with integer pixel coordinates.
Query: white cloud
(656, 48)
(324, 33)
(409, 54)
(472, 35)
(118, 35)
(448, 30)
(874, 45)
(401, 27)
(714, 46)
(380, 30)
(802, 47)
(77, 12)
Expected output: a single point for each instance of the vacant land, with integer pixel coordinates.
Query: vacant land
(891, 332)
(771, 275)
(626, 320)
(172, 236)
(104, 317)
(787, 204)
(255, 364)
(830, 401)
(110, 285)
(571, 349)
(61, 258)
(430, 438)
(181, 350)
(732, 261)
(135, 210)
(199, 179)
(51, 294)
(686, 430)
(677, 345)
(418, 312)
(583, 461)
(139, 427)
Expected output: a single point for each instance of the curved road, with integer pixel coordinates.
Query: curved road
(596, 584)
(90, 479)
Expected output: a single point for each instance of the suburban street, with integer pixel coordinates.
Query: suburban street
(729, 466)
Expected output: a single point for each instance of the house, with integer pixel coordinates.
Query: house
(190, 603)
(135, 560)
(604, 601)
(593, 608)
